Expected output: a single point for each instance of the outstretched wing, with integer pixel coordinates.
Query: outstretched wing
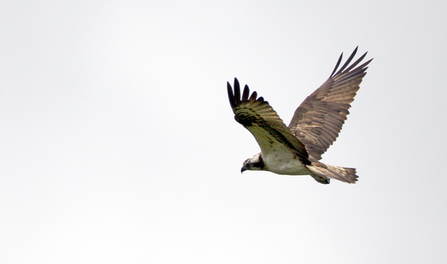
(319, 119)
(263, 122)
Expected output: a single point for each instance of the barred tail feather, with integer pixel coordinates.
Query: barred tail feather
(323, 172)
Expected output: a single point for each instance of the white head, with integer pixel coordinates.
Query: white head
(253, 163)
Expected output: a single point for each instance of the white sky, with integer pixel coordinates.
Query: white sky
(118, 144)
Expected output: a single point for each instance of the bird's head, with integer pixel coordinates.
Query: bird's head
(253, 163)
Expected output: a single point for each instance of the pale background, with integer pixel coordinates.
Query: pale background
(118, 144)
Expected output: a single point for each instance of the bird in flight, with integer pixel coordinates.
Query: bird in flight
(296, 149)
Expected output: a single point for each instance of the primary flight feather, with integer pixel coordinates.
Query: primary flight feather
(296, 149)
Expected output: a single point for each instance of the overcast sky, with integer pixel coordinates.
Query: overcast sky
(118, 144)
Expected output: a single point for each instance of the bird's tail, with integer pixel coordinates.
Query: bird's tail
(323, 172)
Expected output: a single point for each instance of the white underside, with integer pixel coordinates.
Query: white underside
(277, 157)
(284, 163)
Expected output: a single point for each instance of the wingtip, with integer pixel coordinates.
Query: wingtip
(234, 94)
(346, 66)
(246, 93)
(230, 94)
(336, 65)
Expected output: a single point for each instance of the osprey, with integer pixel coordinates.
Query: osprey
(296, 149)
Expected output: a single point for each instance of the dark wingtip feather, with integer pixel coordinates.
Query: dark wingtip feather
(237, 92)
(356, 62)
(337, 64)
(234, 94)
(253, 96)
(348, 60)
(246, 93)
(346, 64)
(230, 95)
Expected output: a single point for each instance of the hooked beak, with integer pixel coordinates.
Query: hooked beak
(243, 169)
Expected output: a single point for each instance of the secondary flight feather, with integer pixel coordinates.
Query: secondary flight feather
(296, 149)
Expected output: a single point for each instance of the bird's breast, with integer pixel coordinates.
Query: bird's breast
(284, 163)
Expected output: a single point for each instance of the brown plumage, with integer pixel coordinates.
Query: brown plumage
(320, 117)
(313, 128)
